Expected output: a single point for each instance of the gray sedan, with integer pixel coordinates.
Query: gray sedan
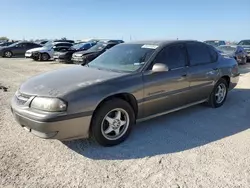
(129, 83)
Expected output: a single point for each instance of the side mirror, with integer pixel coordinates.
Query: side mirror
(159, 67)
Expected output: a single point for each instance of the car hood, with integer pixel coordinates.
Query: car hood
(38, 49)
(62, 81)
(246, 47)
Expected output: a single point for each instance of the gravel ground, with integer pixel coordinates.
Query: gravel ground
(195, 147)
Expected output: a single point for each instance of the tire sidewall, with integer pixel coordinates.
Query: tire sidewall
(97, 119)
(213, 101)
(9, 52)
(47, 57)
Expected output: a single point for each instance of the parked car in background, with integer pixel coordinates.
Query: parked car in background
(66, 55)
(246, 45)
(215, 43)
(130, 82)
(84, 57)
(65, 40)
(90, 40)
(3, 44)
(17, 49)
(43, 42)
(46, 52)
(233, 51)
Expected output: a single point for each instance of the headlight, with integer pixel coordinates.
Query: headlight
(48, 104)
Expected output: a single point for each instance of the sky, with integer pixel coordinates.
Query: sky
(126, 19)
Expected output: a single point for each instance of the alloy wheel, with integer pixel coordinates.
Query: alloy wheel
(8, 54)
(115, 124)
(220, 93)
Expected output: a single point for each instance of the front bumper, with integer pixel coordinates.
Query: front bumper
(66, 129)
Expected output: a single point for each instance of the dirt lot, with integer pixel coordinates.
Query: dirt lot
(196, 147)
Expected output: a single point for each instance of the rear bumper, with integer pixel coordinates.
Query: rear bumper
(234, 81)
(77, 60)
(66, 129)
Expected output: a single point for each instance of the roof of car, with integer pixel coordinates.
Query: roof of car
(160, 42)
(26, 42)
(110, 40)
(229, 45)
(213, 40)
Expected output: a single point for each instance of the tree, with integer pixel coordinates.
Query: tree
(4, 38)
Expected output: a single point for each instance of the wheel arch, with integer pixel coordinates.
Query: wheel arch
(227, 78)
(7, 51)
(46, 53)
(128, 97)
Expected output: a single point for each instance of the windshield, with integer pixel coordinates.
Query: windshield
(48, 44)
(78, 46)
(98, 47)
(124, 57)
(227, 48)
(244, 42)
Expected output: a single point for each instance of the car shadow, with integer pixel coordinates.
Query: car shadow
(183, 130)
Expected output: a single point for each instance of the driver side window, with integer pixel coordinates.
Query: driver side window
(173, 56)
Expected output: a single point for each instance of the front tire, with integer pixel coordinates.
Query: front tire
(219, 94)
(112, 123)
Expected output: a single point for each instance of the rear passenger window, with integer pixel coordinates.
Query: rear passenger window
(213, 53)
(198, 53)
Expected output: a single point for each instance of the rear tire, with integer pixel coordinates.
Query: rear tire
(109, 128)
(219, 94)
(45, 57)
(8, 54)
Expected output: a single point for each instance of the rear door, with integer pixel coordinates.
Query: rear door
(18, 49)
(202, 72)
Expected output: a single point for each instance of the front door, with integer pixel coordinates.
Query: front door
(202, 72)
(164, 91)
